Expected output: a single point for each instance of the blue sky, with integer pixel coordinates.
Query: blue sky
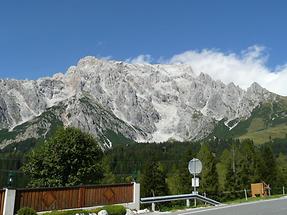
(40, 38)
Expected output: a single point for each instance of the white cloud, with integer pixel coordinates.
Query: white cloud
(141, 59)
(243, 69)
(106, 57)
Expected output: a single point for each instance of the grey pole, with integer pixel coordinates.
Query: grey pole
(194, 189)
(153, 206)
(187, 203)
(245, 192)
(269, 192)
(194, 167)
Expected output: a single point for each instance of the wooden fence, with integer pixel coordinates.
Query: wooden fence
(46, 199)
(2, 196)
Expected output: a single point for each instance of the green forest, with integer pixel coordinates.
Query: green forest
(229, 166)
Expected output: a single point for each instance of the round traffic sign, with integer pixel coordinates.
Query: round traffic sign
(195, 166)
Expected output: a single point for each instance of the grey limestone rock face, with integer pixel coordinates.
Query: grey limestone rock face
(141, 101)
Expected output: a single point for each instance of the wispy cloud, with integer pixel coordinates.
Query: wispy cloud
(141, 59)
(242, 69)
(105, 57)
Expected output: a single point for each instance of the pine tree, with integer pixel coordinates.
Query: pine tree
(173, 181)
(231, 183)
(268, 170)
(282, 170)
(153, 180)
(246, 164)
(108, 177)
(184, 174)
(209, 176)
(160, 178)
(222, 168)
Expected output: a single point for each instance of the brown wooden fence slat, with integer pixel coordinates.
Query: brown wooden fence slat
(2, 196)
(45, 199)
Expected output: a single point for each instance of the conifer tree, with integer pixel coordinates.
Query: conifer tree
(282, 170)
(268, 171)
(246, 164)
(184, 174)
(209, 176)
(108, 176)
(173, 181)
(231, 182)
(153, 180)
(222, 168)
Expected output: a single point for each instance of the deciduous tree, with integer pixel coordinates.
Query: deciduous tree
(68, 158)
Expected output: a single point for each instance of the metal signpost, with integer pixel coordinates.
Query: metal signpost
(195, 167)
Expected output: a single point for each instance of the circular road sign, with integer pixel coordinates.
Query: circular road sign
(195, 166)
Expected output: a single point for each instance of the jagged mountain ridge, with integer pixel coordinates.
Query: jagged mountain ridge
(143, 102)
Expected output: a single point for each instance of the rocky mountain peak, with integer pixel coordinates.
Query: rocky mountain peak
(146, 102)
(255, 90)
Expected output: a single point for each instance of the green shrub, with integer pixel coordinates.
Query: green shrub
(115, 209)
(111, 209)
(96, 210)
(26, 211)
(53, 213)
(72, 212)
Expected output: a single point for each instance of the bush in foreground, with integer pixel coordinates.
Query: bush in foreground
(26, 211)
(72, 212)
(111, 209)
(115, 209)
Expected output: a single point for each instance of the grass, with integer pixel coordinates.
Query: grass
(173, 208)
(267, 120)
(251, 199)
(263, 136)
(176, 206)
(256, 124)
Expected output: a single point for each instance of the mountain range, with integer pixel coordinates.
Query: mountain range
(117, 102)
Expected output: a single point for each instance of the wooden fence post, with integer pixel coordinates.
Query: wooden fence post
(81, 197)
